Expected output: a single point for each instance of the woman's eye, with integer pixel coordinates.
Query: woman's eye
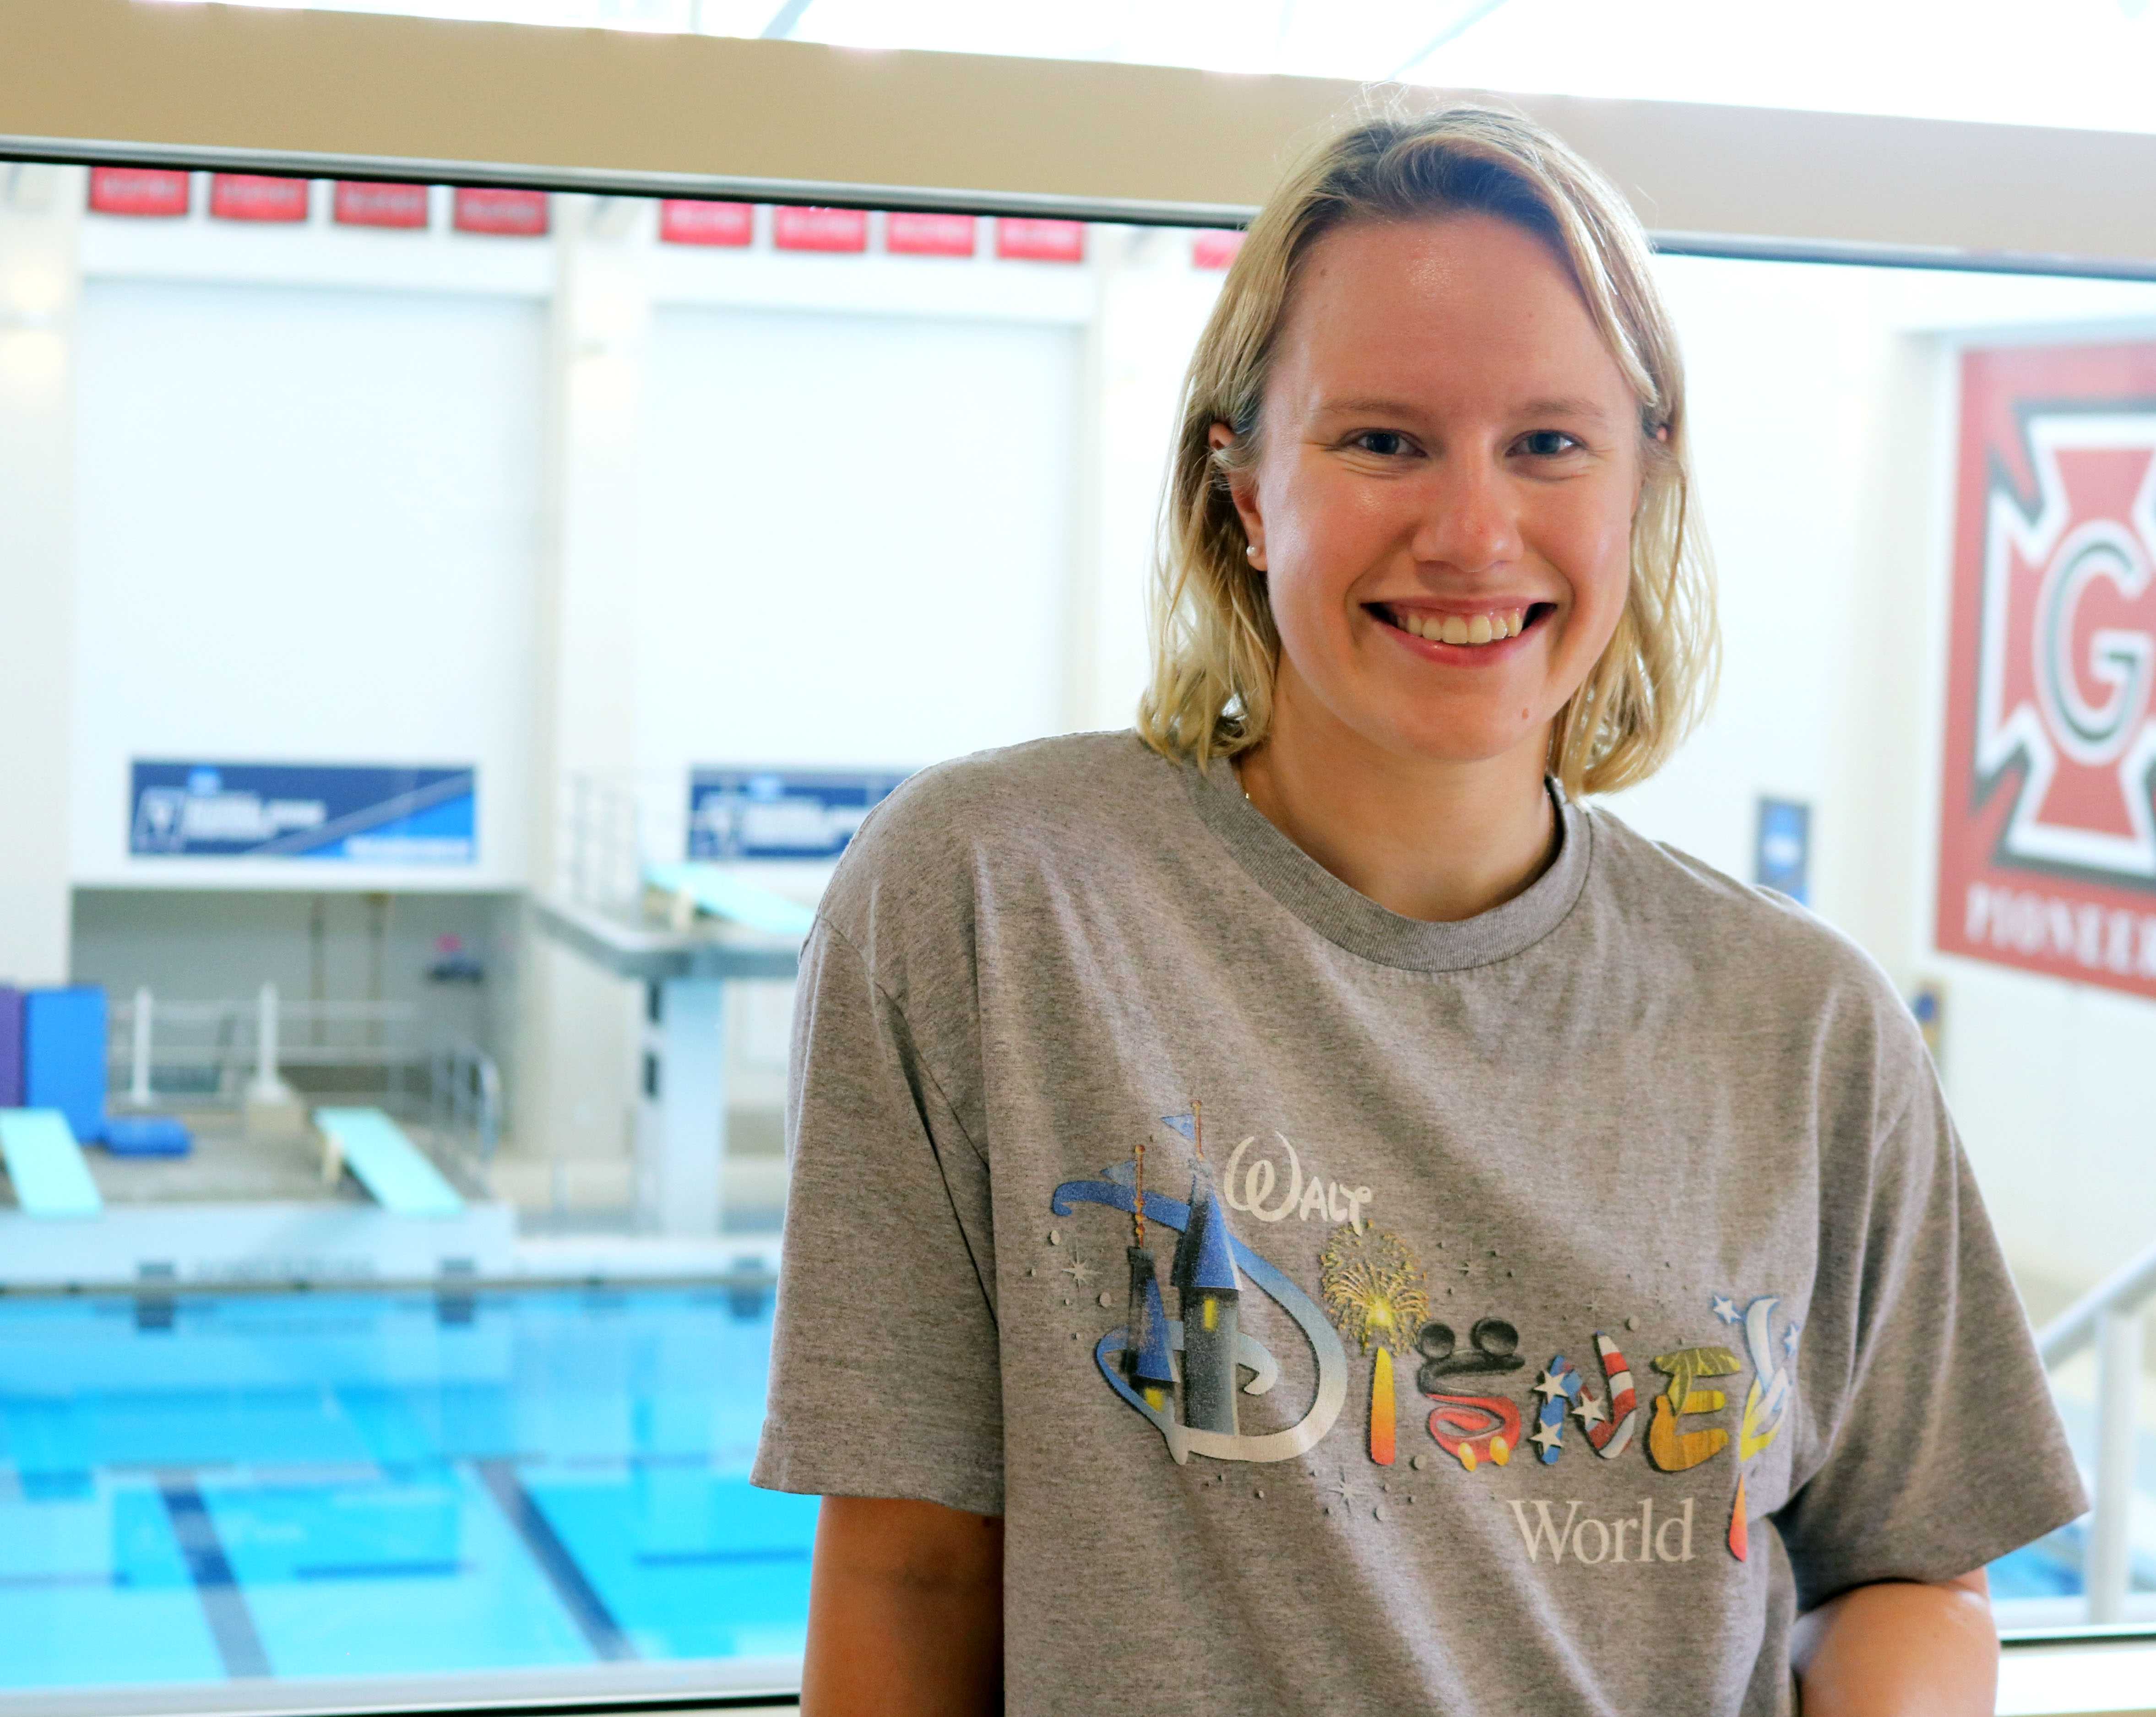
(1547, 444)
(1386, 443)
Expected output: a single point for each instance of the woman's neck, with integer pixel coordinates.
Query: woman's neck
(1435, 840)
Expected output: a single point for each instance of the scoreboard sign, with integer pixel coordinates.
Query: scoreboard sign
(2047, 827)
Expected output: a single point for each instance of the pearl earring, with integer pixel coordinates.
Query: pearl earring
(1250, 552)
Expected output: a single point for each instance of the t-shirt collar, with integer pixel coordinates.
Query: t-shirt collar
(1353, 920)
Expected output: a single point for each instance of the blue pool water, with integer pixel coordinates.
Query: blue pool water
(256, 1487)
(359, 1485)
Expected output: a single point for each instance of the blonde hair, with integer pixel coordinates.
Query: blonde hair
(1215, 649)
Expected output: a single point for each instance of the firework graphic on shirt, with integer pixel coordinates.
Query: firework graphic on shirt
(1374, 1289)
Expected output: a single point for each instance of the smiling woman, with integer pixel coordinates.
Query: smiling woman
(1512, 273)
(1427, 584)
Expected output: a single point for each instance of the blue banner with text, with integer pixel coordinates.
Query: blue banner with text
(351, 814)
(780, 813)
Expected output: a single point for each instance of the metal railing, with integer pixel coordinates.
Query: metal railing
(614, 822)
(2109, 1317)
(220, 1054)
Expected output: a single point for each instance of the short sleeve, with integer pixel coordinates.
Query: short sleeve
(1941, 1448)
(885, 1373)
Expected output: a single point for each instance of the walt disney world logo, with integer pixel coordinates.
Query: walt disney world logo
(2067, 643)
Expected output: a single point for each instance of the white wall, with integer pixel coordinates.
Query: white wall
(40, 216)
(855, 545)
(307, 532)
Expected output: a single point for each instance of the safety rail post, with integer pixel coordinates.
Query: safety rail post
(138, 1084)
(267, 1087)
(2117, 1405)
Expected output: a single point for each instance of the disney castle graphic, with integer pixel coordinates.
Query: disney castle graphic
(1186, 1375)
(1208, 1292)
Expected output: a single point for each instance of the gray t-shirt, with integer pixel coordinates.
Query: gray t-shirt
(1562, 1297)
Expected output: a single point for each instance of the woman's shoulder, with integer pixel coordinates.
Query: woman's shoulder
(1734, 939)
(1050, 806)
(1015, 795)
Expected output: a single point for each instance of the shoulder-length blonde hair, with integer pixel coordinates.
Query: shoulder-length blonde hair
(1215, 649)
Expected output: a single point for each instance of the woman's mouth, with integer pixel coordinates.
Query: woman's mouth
(1490, 626)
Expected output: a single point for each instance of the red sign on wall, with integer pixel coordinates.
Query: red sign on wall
(693, 221)
(138, 191)
(1041, 241)
(2047, 829)
(515, 214)
(796, 229)
(1215, 250)
(257, 197)
(361, 203)
(910, 233)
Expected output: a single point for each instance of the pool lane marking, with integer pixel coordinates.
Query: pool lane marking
(586, 1608)
(224, 1607)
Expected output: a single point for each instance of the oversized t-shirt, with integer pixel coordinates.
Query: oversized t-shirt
(1528, 1313)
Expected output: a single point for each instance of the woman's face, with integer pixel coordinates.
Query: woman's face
(1442, 503)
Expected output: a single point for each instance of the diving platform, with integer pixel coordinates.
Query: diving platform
(45, 1165)
(381, 1158)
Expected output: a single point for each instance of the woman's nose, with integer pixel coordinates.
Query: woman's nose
(1470, 517)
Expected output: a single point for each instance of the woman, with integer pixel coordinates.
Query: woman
(1293, 1212)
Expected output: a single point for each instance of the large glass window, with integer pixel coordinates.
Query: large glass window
(490, 613)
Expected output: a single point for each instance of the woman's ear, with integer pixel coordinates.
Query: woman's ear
(1244, 493)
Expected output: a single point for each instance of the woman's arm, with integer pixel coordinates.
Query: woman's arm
(1901, 1649)
(905, 1611)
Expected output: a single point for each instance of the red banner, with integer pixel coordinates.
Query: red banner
(909, 233)
(2047, 817)
(692, 221)
(139, 190)
(514, 215)
(363, 203)
(257, 197)
(1040, 241)
(796, 229)
(1215, 250)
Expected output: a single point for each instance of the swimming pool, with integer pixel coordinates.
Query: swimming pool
(291, 1498)
(322, 1498)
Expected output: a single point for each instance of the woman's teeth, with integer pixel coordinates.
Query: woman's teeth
(1463, 628)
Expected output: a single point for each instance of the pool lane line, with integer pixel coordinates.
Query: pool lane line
(724, 1558)
(586, 1608)
(224, 1607)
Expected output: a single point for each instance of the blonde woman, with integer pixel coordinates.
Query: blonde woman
(1293, 1209)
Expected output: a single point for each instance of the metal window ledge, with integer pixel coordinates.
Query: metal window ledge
(2098, 1675)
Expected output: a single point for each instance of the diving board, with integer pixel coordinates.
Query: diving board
(387, 1163)
(45, 1165)
(724, 894)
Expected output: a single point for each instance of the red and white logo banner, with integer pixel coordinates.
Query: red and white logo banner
(1215, 250)
(510, 214)
(684, 220)
(257, 197)
(1027, 240)
(2047, 822)
(801, 228)
(138, 191)
(361, 202)
(913, 232)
